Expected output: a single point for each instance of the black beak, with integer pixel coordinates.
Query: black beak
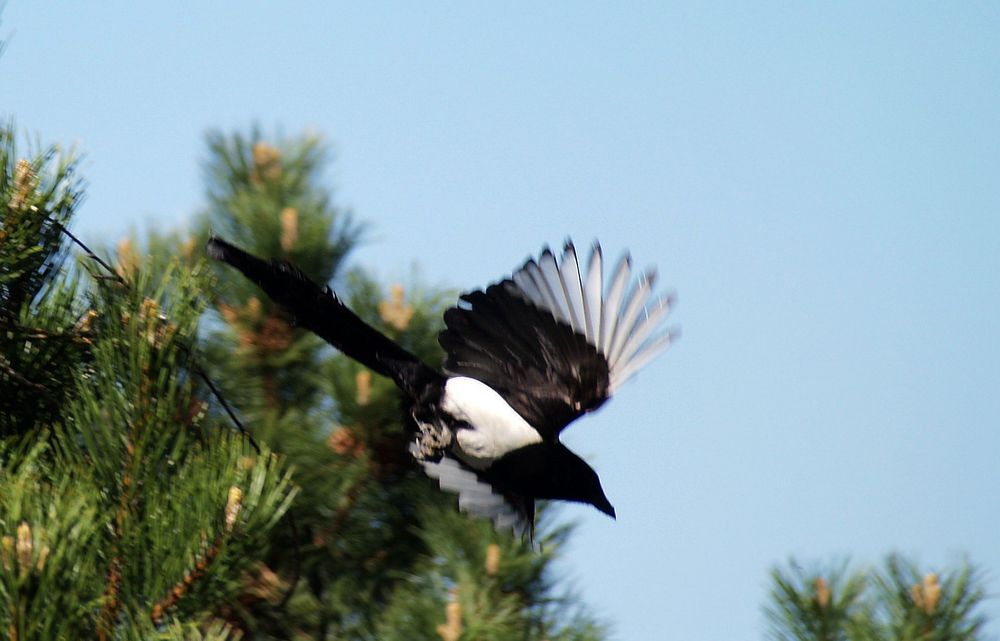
(605, 506)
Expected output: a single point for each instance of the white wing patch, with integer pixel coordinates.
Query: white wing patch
(619, 321)
(495, 428)
(474, 496)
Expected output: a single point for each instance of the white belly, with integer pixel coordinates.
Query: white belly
(496, 427)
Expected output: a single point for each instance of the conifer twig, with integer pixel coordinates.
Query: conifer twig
(234, 503)
(37, 333)
(297, 562)
(184, 585)
(112, 602)
(197, 368)
(20, 378)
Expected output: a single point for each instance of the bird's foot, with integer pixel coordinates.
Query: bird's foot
(431, 441)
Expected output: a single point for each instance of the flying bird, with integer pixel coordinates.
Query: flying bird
(524, 358)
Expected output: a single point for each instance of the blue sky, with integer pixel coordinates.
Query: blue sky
(818, 184)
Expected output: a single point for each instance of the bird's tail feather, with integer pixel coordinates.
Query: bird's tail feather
(320, 311)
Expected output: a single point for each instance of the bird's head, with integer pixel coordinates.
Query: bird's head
(574, 480)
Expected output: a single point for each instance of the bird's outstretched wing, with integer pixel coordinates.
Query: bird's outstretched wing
(553, 340)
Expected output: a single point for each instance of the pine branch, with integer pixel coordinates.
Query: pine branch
(112, 603)
(114, 275)
(182, 587)
(20, 378)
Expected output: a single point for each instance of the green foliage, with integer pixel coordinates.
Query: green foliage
(895, 603)
(33, 252)
(50, 555)
(127, 510)
(269, 198)
(214, 631)
(820, 606)
(496, 591)
(928, 607)
(40, 340)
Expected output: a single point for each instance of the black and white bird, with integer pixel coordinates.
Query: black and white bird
(524, 358)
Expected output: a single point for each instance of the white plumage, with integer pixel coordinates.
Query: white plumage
(494, 428)
(475, 496)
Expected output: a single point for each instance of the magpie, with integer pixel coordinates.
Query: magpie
(524, 358)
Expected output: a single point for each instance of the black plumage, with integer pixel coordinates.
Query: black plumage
(549, 375)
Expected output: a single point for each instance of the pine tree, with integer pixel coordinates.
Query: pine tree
(372, 548)
(130, 507)
(894, 603)
(127, 511)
